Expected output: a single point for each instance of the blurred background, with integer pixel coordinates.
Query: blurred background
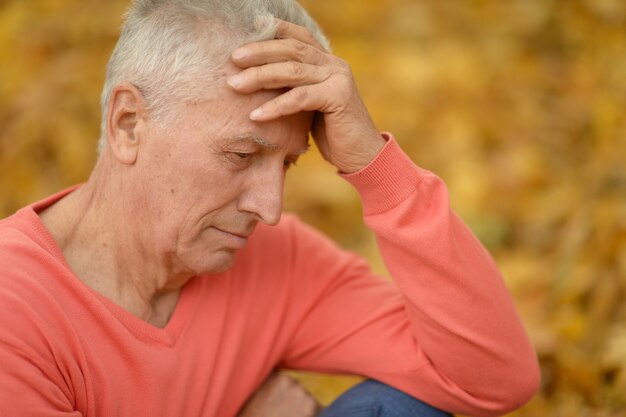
(518, 105)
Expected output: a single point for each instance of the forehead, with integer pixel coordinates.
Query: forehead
(224, 116)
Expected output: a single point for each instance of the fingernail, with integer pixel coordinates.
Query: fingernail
(256, 114)
(240, 53)
(234, 81)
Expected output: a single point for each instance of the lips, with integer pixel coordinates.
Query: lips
(233, 239)
(242, 235)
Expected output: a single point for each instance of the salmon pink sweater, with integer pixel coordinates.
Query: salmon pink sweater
(445, 330)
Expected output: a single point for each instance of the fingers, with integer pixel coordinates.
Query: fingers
(318, 81)
(278, 50)
(278, 75)
(291, 43)
(306, 98)
(287, 30)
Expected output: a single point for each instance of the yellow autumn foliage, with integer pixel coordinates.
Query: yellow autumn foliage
(519, 105)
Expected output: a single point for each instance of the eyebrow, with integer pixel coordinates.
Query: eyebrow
(272, 147)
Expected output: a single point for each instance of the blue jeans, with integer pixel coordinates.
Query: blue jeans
(374, 399)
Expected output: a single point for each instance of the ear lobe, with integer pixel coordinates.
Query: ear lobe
(126, 113)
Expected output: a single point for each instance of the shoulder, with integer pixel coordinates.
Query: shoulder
(25, 250)
(30, 292)
(34, 323)
(18, 248)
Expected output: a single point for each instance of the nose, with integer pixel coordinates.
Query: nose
(263, 195)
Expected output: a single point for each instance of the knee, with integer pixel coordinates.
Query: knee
(375, 399)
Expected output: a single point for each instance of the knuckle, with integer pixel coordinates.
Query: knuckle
(344, 76)
(300, 48)
(305, 53)
(296, 69)
(309, 37)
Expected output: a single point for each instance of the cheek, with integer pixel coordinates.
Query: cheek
(191, 183)
(206, 192)
(196, 204)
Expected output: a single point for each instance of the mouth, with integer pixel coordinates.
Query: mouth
(242, 235)
(234, 238)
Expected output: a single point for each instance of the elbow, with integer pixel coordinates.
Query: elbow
(520, 385)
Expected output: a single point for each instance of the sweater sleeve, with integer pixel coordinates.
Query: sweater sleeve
(445, 331)
(32, 382)
(32, 378)
(27, 388)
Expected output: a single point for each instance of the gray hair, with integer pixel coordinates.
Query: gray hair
(171, 50)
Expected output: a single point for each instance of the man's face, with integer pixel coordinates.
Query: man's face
(209, 176)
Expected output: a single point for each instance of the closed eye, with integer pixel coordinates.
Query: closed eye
(240, 159)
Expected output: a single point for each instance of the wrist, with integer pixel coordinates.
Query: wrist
(388, 180)
(360, 159)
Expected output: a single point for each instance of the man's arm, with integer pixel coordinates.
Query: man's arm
(447, 332)
(31, 388)
(451, 336)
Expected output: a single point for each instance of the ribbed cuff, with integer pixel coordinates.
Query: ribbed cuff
(388, 180)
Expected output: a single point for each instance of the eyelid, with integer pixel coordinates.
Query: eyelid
(240, 151)
(239, 159)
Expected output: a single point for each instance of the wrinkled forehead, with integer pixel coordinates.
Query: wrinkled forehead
(224, 114)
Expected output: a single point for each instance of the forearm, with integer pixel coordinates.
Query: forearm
(461, 312)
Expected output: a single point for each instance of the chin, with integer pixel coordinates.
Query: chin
(218, 262)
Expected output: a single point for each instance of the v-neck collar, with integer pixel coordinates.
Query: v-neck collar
(141, 329)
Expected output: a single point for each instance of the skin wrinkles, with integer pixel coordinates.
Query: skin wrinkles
(158, 240)
(243, 149)
(268, 155)
(268, 145)
(176, 199)
(253, 138)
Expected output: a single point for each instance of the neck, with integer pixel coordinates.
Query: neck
(108, 246)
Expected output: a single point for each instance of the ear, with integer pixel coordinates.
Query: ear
(125, 121)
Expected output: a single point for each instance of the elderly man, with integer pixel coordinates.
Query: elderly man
(169, 285)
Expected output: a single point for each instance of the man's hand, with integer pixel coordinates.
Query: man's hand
(317, 81)
(281, 396)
